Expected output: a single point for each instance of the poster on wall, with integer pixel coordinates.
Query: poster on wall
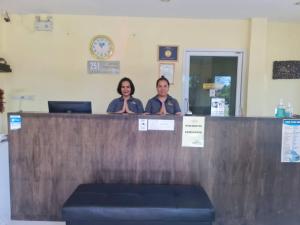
(290, 142)
(167, 70)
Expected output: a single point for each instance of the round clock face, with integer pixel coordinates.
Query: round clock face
(102, 47)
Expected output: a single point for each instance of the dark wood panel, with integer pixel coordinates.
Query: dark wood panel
(239, 166)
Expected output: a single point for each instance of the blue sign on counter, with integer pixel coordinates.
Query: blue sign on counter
(290, 143)
(15, 122)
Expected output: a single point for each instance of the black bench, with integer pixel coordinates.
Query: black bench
(137, 204)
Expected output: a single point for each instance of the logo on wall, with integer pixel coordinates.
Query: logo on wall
(167, 53)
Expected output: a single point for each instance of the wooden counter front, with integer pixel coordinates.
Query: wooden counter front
(239, 167)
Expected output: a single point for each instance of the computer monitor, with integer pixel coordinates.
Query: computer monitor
(70, 107)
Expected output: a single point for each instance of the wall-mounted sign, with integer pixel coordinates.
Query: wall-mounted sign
(103, 67)
(286, 70)
(167, 70)
(167, 53)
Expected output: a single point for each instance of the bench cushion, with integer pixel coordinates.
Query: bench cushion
(130, 202)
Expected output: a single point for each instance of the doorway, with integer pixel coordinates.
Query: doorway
(213, 77)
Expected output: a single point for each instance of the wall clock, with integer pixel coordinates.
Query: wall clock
(102, 47)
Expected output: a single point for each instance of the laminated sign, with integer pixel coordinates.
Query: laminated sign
(193, 131)
(15, 122)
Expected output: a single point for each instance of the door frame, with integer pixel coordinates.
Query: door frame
(240, 89)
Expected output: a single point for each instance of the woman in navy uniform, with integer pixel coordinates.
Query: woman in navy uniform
(126, 103)
(162, 103)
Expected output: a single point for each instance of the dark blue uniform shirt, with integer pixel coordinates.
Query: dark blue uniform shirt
(154, 104)
(134, 105)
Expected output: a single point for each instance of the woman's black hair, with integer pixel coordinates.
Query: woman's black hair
(130, 83)
(162, 78)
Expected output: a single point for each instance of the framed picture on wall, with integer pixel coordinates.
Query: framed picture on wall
(167, 53)
(167, 70)
(286, 69)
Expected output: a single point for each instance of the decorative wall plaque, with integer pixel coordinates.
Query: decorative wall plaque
(167, 53)
(286, 70)
(103, 67)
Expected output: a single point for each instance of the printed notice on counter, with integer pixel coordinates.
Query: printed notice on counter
(193, 131)
(161, 125)
(15, 122)
(143, 124)
(290, 143)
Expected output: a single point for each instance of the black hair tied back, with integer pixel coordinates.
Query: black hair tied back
(162, 78)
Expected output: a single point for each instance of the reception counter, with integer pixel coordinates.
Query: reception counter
(239, 166)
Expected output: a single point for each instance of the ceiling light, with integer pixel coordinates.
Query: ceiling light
(164, 0)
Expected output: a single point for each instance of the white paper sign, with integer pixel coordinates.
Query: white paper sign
(15, 122)
(143, 124)
(290, 143)
(217, 107)
(161, 125)
(167, 70)
(193, 131)
(212, 92)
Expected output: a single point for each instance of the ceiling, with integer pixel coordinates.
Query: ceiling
(280, 10)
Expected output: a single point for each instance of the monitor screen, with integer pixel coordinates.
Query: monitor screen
(69, 107)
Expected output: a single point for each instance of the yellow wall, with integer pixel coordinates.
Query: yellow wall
(283, 44)
(1, 36)
(4, 79)
(257, 76)
(271, 41)
(52, 65)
